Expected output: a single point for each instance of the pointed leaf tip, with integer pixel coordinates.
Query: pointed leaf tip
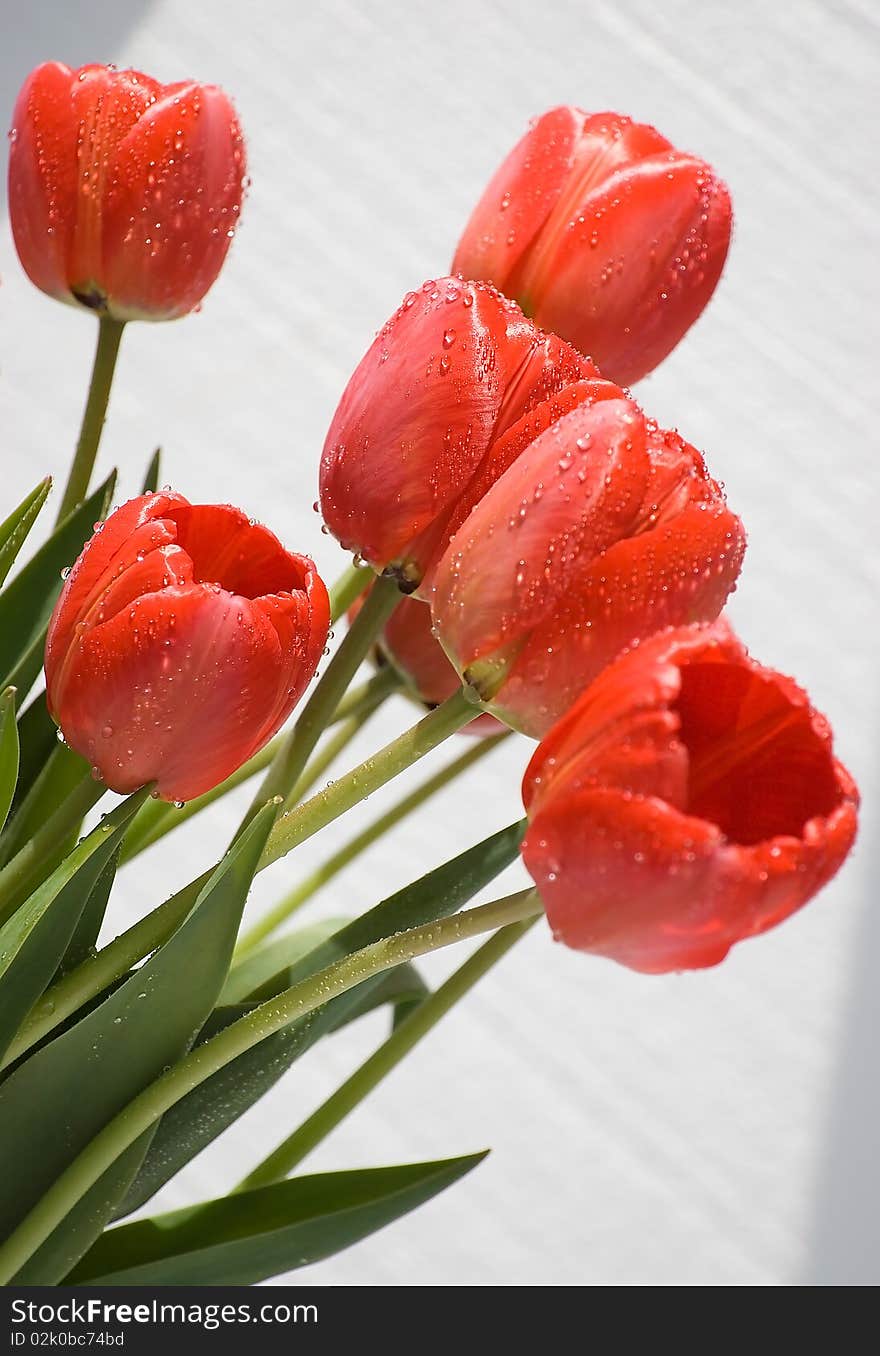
(9, 752)
(254, 1235)
(14, 531)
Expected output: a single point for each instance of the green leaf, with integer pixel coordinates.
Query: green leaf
(57, 1100)
(195, 1122)
(15, 529)
(83, 1224)
(151, 479)
(258, 977)
(37, 737)
(197, 1119)
(61, 774)
(436, 895)
(401, 988)
(8, 752)
(85, 934)
(34, 939)
(26, 604)
(260, 967)
(248, 1238)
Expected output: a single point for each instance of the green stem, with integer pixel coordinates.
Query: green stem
(157, 818)
(93, 976)
(318, 710)
(296, 825)
(206, 1060)
(370, 694)
(328, 752)
(349, 851)
(33, 862)
(404, 1038)
(115, 960)
(106, 353)
(347, 589)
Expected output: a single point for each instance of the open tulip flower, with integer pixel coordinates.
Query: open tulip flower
(689, 800)
(604, 530)
(452, 387)
(123, 193)
(605, 234)
(183, 638)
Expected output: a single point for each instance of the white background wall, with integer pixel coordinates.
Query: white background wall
(715, 1129)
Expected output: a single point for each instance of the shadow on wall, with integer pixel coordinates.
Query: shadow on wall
(845, 1244)
(60, 30)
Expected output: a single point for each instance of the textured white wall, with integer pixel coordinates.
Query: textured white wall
(716, 1129)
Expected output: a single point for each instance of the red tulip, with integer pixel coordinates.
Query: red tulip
(415, 436)
(408, 644)
(123, 193)
(605, 530)
(605, 234)
(689, 800)
(183, 638)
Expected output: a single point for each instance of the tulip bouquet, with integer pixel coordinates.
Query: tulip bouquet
(533, 553)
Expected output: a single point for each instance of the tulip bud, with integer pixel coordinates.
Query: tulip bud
(123, 193)
(183, 638)
(689, 800)
(456, 369)
(603, 531)
(408, 644)
(605, 234)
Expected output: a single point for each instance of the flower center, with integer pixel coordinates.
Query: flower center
(759, 767)
(226, 548)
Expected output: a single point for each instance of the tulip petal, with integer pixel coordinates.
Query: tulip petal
(657, 238)
(42, 175)
(627, 706)
(629, 878)
(606, 143)
(66, 125)
(182, 680)
(455, 367)
(108, 105)
(519, 198)
(502, 452)
(136, 527)
(676, 574)
(570, 497)
(172, 204)
(230, 549)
